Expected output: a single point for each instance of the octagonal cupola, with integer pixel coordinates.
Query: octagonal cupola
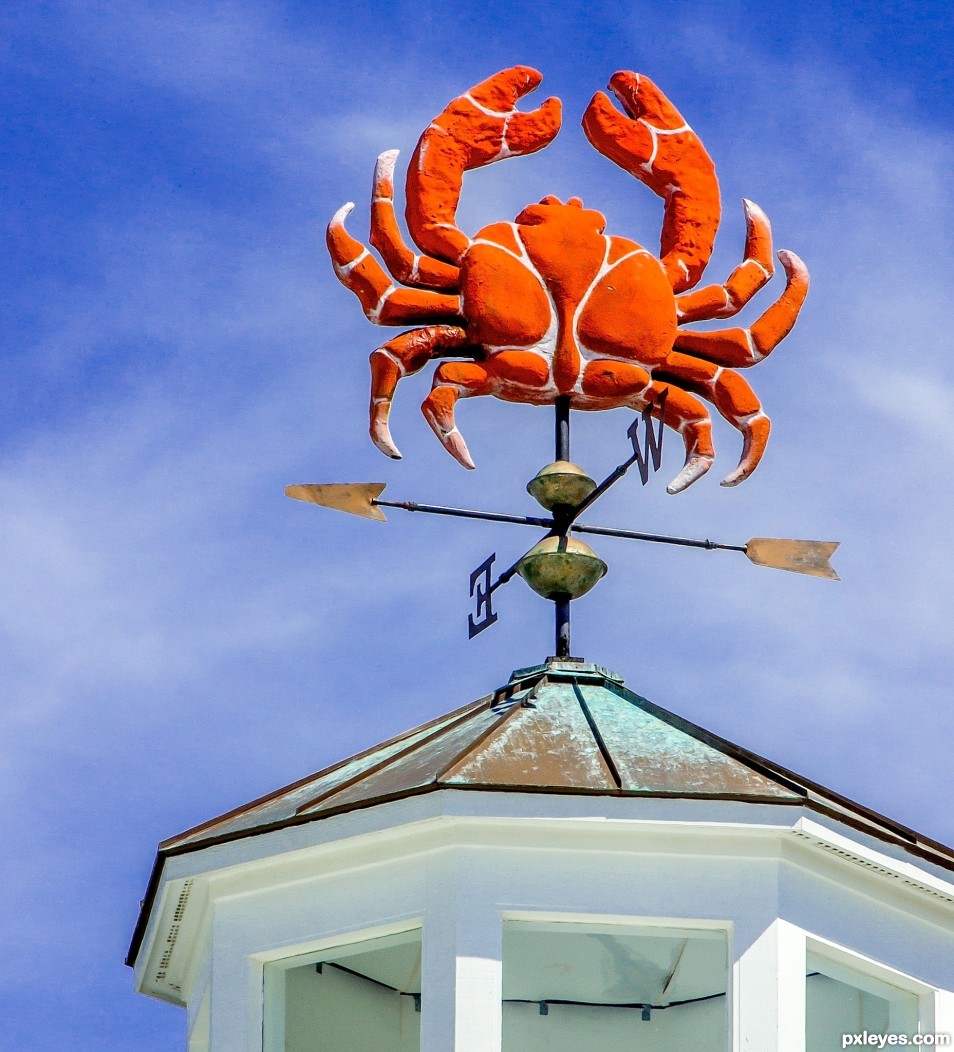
(559, 864)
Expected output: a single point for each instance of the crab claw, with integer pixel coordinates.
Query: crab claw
(695, 467)
(450, 438)
(653, 143)
(438, 410)
(478, 127)
(380, 431)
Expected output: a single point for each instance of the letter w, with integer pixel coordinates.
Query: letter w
(654, 439)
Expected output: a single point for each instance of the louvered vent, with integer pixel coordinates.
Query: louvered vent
(173, 935)
(850, 856)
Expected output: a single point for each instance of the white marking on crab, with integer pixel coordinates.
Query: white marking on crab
(485, 109)
(682, 264)
(504, 150)
(696, 466)
(374, 314)
(654, 134)
(391, 358)
(384, 170)
(344, 269)
(757, 355)
(605, 268)
(665, 131)
(338, 219)
(547, 345)
(415, 269)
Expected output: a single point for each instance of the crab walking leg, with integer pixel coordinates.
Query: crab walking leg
(478, 127)
(384, 303)
(622, 383)
(653, 143)
(734, 399)
(740, 348)
(722, 301)
(454, 380)
(407, 266)
(400, 357)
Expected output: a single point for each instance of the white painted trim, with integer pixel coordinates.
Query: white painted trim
(549, 920)
(199, 1026)
(873, 977)
(876, 861)
(943, 1021)
(298, 954)
(768, 981)
(849, 966)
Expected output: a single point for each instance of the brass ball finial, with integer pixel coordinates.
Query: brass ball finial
(560, 483)
(561, 568)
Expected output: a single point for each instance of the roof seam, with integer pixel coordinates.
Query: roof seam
(597, 736)
(787, 779)
(276, 794)
(487, 732)
(385, 762)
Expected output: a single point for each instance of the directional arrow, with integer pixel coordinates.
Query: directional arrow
(805, 557)
(558, 568)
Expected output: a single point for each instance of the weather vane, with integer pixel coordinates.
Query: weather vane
(550, 310)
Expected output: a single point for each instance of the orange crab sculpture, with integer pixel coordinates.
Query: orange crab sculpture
(549, 305)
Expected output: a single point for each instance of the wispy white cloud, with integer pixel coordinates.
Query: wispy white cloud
(176, 636)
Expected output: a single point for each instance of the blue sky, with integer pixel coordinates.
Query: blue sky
(176, 637)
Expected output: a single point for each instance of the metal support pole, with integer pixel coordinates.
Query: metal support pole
(562, 608)
(562, 444)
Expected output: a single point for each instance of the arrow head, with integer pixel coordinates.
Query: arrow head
(808, 557)
(355, 498)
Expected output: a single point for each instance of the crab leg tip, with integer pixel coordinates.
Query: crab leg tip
(387, 446)
(342, 214)
(457, 448)
(694, 469)
(791, 262)
(753, 211)
(385, 164)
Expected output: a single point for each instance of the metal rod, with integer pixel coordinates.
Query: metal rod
(562, 609)
(610, 480)
(463, 513)
(507, 575)
(606, 531)
(562, 437)
(550, 524)
(561, 523)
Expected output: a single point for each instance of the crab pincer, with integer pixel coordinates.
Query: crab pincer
(478, 127)
(653, 142)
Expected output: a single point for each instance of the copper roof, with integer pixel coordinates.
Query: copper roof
(561, 727)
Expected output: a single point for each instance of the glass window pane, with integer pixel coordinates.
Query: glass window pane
(613, 987)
